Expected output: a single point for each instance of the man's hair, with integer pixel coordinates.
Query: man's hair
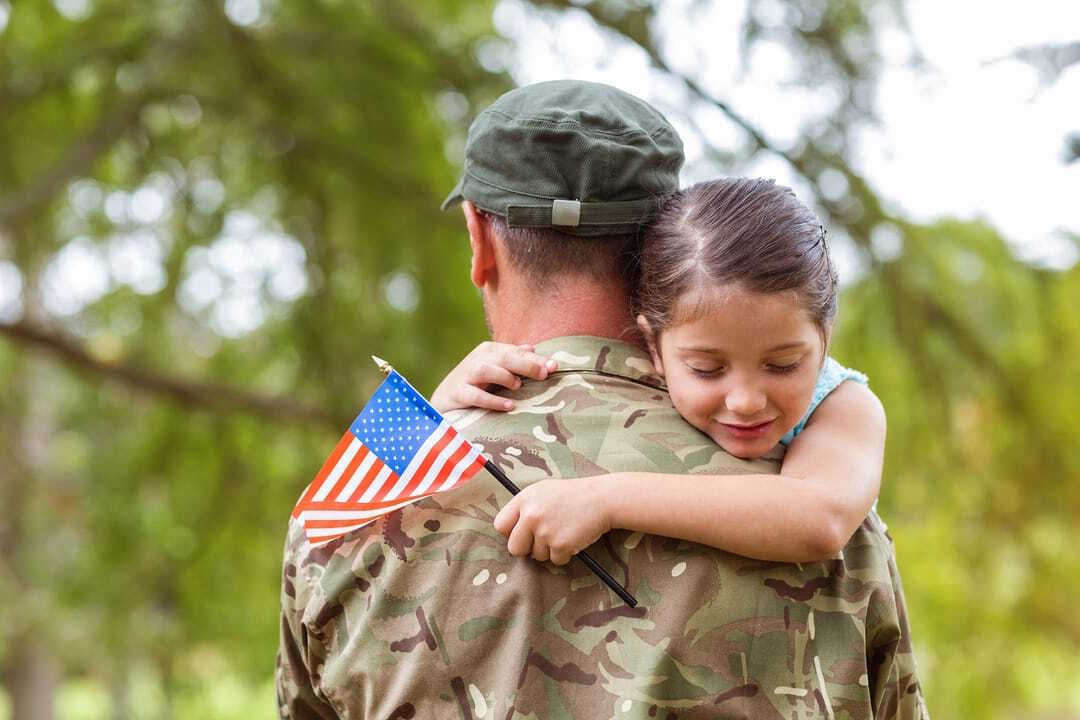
(544, 255)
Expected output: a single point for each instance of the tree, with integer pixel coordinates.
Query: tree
(215, 212)
(214, 217)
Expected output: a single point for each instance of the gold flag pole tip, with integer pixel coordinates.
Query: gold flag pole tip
(382, 364)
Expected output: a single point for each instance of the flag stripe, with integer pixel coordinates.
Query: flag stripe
(326, 524)
(334, 511)
(430, 459)
(384, 473)
(313, 487)
(349, 507)
(323, 525)
(326, 534)
(342, 517)
(447, 462)
(357, 476)
(312, 524)
(351, 513)
(421, 453)
(421, 482)
(464, 470)
(339, 467)
(347, 473)
(452, 463)
(426, 455)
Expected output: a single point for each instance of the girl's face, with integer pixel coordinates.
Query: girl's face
(744, 371)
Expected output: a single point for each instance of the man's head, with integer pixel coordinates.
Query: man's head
(559, 178)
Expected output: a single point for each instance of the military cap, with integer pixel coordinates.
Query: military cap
(580, 157)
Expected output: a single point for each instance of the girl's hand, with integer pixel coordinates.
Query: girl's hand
(491, 363)
(554, 519)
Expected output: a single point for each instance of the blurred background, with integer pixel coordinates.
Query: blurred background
(212, 213)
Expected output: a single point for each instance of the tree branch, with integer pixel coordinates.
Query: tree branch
(808, 162)
(210, 396)
(1049, 60)
(633, 26)
(113, 124)
(77, 160)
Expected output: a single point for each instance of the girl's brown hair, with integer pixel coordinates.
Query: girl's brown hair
(749, 232)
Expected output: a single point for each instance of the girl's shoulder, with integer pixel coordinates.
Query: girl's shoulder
(831, 375)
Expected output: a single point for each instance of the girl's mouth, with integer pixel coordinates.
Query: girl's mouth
(747, 432)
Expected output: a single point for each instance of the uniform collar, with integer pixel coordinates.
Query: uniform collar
(604, 356)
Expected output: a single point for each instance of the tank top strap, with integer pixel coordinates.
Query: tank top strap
(829, 378)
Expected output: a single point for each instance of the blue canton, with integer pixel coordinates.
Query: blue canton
(395, 422)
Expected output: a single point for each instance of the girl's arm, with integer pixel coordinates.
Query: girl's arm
(827, 484)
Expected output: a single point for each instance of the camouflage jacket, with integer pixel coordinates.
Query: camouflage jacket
(424, 614)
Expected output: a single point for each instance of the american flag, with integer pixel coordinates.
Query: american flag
(398, 450)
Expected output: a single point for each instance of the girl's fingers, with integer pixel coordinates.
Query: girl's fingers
(526, 363)
(470, 396)
(507, 518)
(520, 542)
(484, 374)
(540, 550)
(560, 557)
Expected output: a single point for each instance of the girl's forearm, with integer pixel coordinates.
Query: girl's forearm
(768, 517)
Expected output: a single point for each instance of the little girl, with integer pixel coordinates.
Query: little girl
(736, 302)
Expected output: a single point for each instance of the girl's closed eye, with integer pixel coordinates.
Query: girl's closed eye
(706, 370)
(782, 368)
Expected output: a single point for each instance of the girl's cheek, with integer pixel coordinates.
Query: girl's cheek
(685, 403)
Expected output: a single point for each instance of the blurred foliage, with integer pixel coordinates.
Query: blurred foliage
(1050, 61)
(260, 181)
(144, 530)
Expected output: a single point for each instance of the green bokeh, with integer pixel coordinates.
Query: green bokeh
(144, 507)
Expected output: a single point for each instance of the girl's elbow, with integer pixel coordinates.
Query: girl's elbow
(827, 540)
(837, 520)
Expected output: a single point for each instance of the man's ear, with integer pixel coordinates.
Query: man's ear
(651, 340)
(480, 240)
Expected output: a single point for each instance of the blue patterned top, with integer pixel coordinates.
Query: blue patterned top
(831, 375)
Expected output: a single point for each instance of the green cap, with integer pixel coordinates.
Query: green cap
(580, 157)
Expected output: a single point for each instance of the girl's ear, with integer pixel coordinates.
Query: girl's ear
(651, 341)
(826, 340)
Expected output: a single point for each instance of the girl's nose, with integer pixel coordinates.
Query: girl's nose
(745, 400)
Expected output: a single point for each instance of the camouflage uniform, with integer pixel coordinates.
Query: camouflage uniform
(426, 615)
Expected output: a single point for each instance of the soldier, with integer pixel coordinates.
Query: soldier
(426, 614)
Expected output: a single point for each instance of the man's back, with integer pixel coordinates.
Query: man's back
(426, 614)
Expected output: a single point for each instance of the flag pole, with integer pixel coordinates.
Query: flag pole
(585, 557)
(499, 475)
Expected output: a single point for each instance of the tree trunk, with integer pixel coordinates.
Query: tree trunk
(31, 679)
(119, 691)
(31, 671)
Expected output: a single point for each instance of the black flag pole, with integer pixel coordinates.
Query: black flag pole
(597, 569)
(499, 475)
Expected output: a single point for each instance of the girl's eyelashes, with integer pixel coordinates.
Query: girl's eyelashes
(706, 372)
(719, 370)
(782, 369)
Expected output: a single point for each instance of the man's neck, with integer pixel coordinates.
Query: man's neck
(568, 308)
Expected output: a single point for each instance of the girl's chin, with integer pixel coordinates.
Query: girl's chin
(746, 450)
